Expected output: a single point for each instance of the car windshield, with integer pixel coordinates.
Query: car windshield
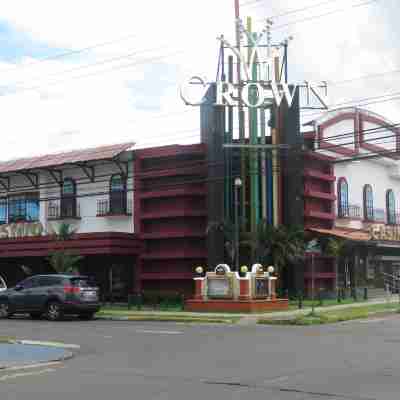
(82, 282)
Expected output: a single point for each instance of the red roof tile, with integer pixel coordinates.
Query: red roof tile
(68, 157)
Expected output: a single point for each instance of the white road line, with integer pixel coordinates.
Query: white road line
(21, 374)
(371, 321)
(159, 332)
(50, 344)
(31, 366)
(275, 380)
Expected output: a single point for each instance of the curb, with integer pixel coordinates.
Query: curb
(166, 319)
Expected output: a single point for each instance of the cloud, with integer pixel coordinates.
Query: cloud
(128, 89)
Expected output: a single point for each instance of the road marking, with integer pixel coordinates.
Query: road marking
(277, 379)
(159, 332)
(370, 321)
(31, 366)
(50, 344)
(22, 374)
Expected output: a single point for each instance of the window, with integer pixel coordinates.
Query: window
(3, 211)
(368, 203)
(23, 207)
(117, 194)
(29, 283)
(68, 198)
(343, 198)
(49, 281)
(390, 207)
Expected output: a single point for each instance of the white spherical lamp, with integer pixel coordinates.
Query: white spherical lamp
(271, 269)
(199, 270)
(244, 269)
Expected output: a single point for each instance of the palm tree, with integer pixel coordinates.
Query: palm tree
(278, 245)
(63, 261)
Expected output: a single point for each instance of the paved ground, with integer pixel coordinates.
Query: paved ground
(138, 360)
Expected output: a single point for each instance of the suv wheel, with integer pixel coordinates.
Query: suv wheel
(4, 309)
(54, 311)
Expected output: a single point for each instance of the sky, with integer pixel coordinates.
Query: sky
(77, 74)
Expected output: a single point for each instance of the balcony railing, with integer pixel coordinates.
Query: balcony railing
(58, 210)
(107, 207)
(353, 211)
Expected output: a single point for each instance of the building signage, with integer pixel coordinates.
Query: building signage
(18, 230)
(219, 287)
(261, 287)
(382, 232)
(258, 92)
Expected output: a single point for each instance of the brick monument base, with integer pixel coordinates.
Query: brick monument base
(240, 306)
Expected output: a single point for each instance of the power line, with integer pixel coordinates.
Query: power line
(35, 88)
(293, 11)
(325, 14)
(68, 53)
(101, 62)
(368, 76)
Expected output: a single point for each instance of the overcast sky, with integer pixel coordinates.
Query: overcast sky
(55, 96)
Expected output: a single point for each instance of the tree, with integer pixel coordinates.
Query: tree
(278, 245)
(227, 229)
(336, 248)
(64, 261)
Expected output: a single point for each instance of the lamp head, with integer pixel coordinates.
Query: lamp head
(199, 270)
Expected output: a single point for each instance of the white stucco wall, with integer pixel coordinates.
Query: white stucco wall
(341, 134)
(88, 194)
(382, 173)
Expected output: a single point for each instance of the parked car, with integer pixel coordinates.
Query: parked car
(52, 296)
(3, 285)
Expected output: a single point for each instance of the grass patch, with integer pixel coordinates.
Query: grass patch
(7, 339)
(294, 304)
(330, 317)
(158, 316)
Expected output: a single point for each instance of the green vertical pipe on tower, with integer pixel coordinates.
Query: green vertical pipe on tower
(253, 130)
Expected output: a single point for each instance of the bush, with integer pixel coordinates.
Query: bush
(161, 299)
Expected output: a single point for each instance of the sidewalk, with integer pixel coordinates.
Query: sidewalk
(126, 315)
(19, 355)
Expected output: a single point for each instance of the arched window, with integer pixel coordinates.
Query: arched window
(343, 198)
(68, 199)
(117, 194)
(390, 207)
(368, 197)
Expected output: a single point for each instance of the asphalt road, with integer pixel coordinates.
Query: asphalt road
(139, 360)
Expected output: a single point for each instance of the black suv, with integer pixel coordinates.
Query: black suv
(52, 296)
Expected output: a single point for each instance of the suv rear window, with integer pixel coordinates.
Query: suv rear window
(83, 282)
(49, 281)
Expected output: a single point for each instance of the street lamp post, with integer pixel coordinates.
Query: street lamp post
(238, 185)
